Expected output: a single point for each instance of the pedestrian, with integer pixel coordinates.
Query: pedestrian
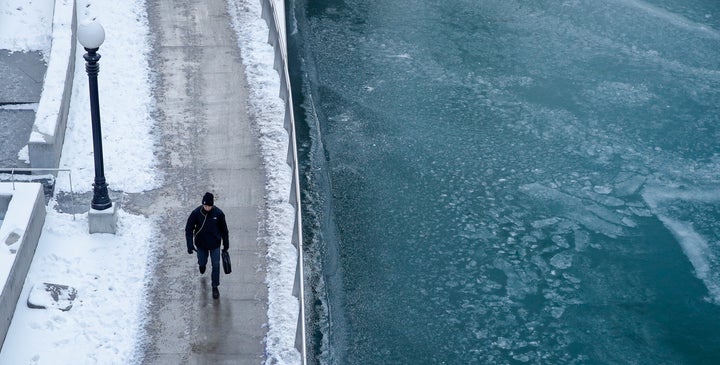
(205, 231)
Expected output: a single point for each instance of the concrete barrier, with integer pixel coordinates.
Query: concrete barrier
(275, 19)
(48, 133)
(23, 217)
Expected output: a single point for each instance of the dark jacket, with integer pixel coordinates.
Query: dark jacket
(209, 235)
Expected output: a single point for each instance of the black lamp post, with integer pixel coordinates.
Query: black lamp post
(91, 36)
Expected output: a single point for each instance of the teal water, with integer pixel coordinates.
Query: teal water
(510, 182)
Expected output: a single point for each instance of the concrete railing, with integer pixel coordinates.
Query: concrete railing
(277, 39)
(48, 133)
(22, 212)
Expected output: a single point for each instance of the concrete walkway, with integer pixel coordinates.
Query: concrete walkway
(207, 144)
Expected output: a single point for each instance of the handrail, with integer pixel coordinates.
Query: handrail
(34, 169)
(285, 91)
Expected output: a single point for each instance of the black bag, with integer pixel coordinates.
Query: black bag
(227, 266)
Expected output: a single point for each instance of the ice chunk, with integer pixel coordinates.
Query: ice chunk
(629, 186)
(582, 238)
(594, 217)
(521, 281)
(641, 212)
(557, 312)
(607, 200)
(545, 222)
(629, 222)
(563, 260)
(560, 241)
(602, 189)
(598, 225)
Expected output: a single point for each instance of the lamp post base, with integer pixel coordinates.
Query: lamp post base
(103, 221)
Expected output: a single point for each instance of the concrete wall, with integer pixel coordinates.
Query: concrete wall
(274, 14)
(27, 208)
(4, 202)
(46, 139)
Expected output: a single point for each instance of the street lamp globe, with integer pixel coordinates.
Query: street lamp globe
(91, 35)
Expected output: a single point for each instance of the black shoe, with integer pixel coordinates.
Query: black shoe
(216, 293)
(202, 269)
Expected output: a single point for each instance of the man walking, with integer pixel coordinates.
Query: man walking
(205, 230)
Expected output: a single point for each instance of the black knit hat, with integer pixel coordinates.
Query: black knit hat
(208, 199)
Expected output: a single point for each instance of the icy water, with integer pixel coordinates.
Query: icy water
(510, 182)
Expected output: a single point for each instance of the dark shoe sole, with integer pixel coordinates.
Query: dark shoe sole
(202, 269)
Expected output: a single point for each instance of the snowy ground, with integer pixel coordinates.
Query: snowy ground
(26, 25)
(110, 272)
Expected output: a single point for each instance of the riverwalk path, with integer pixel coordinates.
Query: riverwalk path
(206, 144)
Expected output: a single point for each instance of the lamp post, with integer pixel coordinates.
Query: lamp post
(91, 35)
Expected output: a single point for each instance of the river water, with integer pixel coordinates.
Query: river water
(510, 182)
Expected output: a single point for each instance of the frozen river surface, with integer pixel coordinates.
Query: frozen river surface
(508, 182)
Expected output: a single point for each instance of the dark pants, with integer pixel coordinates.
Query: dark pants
(202, 256)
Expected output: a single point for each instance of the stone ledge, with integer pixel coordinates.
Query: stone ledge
(48, 134)
(19, 234)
